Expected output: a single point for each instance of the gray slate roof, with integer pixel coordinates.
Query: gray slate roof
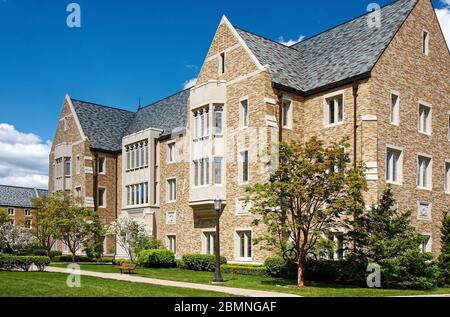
(103, 126)
(348, 50)
(11, 196)
(168, 115)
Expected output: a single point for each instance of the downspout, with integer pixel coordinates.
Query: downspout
(355, 122)
(117, 202)
(95, 181)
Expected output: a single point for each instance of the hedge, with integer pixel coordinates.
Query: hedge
(156, 258)
(201, 262)
(81, 259)
(24, 263)
(256, 270)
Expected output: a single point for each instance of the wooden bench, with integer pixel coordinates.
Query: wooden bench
(127, 267)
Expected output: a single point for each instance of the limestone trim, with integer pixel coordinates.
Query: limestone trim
(77, 121)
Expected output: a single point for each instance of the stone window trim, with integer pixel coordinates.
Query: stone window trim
(429, 176)
(429, 205)
(237, 244)
(28, 224)
(27, 212)
(168, 190)
(287, 118)
(428, 246)
(101, 165)
(399, 181)
(208, 236)
(447, 176)
(137, 153)
(171, 242)
(78, 191)
(326, 116)
(171, 152)
(103, 201)
(222, 63)
(394, 109)
(244, 117)
(425, 42)
(11, 211)
(241, 167)
(428, 120)
(201, 122)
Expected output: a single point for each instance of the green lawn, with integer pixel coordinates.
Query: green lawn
(35, 284)
(260, 282)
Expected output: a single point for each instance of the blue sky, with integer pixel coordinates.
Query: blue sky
(125, 50)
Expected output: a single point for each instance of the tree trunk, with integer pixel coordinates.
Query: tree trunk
(300, 276)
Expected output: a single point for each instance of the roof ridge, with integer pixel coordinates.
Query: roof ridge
(170, 96)
(346, 22)
(103, 106)
(265, 38)
(22, 187)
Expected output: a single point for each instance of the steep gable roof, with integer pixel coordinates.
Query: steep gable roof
(12, 196)
(103, 126)
(346, 51)
(167, 114)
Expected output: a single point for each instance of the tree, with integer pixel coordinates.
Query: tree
(75, 223)
(16, 238)
(444, 258)
(4, 217)
(46, 208)
(385, 236)
(306, 196)
(130, 235)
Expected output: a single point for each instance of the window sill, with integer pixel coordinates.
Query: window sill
(394, 183)
(287, 127)
(447, 193)
(396, 124)
(334, 125)
(424, 188)
(425, 133)
(243, 184)
(244, 260)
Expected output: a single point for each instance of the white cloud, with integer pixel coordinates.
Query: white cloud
(189, 83)
(443, 15)
(292, 41)
(23, 158)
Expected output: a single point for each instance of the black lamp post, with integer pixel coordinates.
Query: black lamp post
(218, 208)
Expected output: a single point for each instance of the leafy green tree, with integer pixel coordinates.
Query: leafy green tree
(4, 217)
(93, 243)
(444, 258)
(75, 223)
(46, 208)
(385, 236)
(306, 196)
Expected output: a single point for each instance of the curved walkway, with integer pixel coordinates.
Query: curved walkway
(146, 280)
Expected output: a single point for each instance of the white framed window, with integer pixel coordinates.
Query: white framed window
(201, 172)
(172, 243)
(11, 211)
(67, 167)
(394, 115)
(244, 113)
(425, 113)
(171, 190)
(171, 152)
(101, 164)
(242, 207)
(102, 197)
(334, 109)
(208, 242)
(218, 119)
(243, 172)
(222, 68)
(218, 171)
(244, 245)
(201, 122)
(65, 124)
(28, 224)
(427, 243)
(394, 165)
(425, 42)
(171, 217)
(424, 210)
(447, 177)
(78, 191)
(287, 110)
(339, 248)
(128, 159)
(424, 172)
(27, 212)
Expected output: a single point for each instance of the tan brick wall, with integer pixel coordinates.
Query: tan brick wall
(415, 76)
(19, 216)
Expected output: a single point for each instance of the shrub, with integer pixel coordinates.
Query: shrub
(257, 270)
(54, 254)
(68, 258)
(156, 258)
(34, 250)
(24, 263)
(119, 262)
(276, 266)
(179, 264)
(347, 272)
(201, 262)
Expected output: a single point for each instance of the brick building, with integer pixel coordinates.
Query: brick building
(17, 201)
(166, 163)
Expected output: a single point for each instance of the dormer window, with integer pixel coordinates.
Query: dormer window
(222, 64)
(425, 42)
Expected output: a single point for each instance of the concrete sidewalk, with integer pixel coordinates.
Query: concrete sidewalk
(146, 280)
